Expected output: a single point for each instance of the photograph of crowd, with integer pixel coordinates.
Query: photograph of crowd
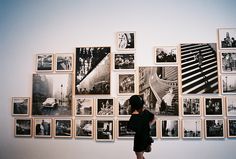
(214, 128)
(63, 128)
(124, 61)
(105, 130)
(165, 54)
(126, 84)
(192, 129)
(42, 127)
(123, 106)
(227, 38)
(83, 128)
(228, 84)
(125, 40)
(231, 128)
(20, 105)
(64, 62)
(169, 128)
(105, 107)
(44, 62)
(23, 127)
(83, 106)
(191, 106)
(213, 106)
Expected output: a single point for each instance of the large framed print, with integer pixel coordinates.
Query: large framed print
(199, 68)
(228, 61)
(43, 127)
(63, 128)
(123, 105)
(20, 106)
(124, 61)
(214, 128)
(105, 130)
(23, 127)
(126, 40)
(213, 106)
(44, 62)
(123, 131)
(126, 84)
(228, 82)
(84, 128)
(169, 128)
(64, 62)
(52, 94)
(92, 74)
(192, 128)
(191, 106)
(84, 106)
(159, 88)
(105, 107)
(165, 54)
(227, 38)
(231, 128)
(231, 105)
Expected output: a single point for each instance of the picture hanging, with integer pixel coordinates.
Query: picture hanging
(199, 68)
(228, 62)
(123, 105)
(159, 89)
(126, 40)
(105, 130)
(231, 105)
(192, 129)
(84, 106)
(20, 106)
(44, 62)
(64, 62)
(214, 128)
(124, 61)
(170, 128)
(105, 107)
(165, 55)
(213, 106)
(52, 94)
(63, 128)
(43, 127)
(23, 127)
(123, 131)
(83, 128)
(191, 106)
(227, 38)
(92, 70)
(231, 128)
(126, 84)
(228, 83)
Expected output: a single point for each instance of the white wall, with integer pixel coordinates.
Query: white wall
(28, 27)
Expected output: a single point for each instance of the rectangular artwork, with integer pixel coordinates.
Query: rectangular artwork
(63, 128)
(23, 127)
(213, 106)
(105, 107)
(124, 106)
(124, 61)
(170, 129)
(228, 61)
(64, 62)
(165, 55)
(84, 128)
(191, 106)
(214, 128)
(20, 106)
(159, 89)
(192, 129)
(44, 62)
(228, 82)
(231, 128)
(199, 68)
(125, 40)
(126, 84)
(42, 127)
(52, 94)
(92, 70)
(105, 130)
(84, 106)
(227, 38)
(231, 105)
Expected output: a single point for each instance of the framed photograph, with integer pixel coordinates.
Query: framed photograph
(20, 106)
(159, 88)
(213, 106)
(124, 61)
(84, 106)
(123, 131)
(123, 105)
(126, 84)
(126, 40)
(231, 128)
(227, 38)
(64, 62)
(42, 127)
(63, 128)
(214, 128)
(105, 130)
(192, 129)
(52, 94)
(228, 84)
(191, 106)
(231, 105)
(23, 127)
(165, 54)
(105, 107)
(92, 74)
(199, 68)
(228, 61)
(84, 128)
(170, 128)
(44, 62)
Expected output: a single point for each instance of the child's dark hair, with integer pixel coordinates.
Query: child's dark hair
(136, 102)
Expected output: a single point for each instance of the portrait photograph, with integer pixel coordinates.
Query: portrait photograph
(124, 106)
(125, 40)
(165, 54)
(92, 74)
(20, 106)
(126, 84)
(228, 62)
(124, 61)
(191, 106)
(231, 105)
(214, 128)
(64, 62)
(23, 127)
(170, 128)
(227, 38)
(84, 128)
(228, 82)
(44, 62)
(42, 127)
(84, 106)
(105, 130)
(213, 106)
(199, 68)
(105, 107)
(231, 128)
(192, 128)
(52, 95)
(63, 128)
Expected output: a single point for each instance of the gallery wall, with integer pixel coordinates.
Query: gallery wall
(30, 27)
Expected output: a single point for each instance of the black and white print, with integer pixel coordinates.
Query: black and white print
(44, 62)
(227, 38)
(83, 128)
(43, 127)
(214, 128)
(63, 128)
(20, 106)
(231, 128)
(64, 62)
(23, 127)
(105, 107)
(170, 128)
(84, 106)
(213, 106)
(192, 129)
(123, 106)
(165, 55)
(191, 106)
(105, 130)
(126, 84)
(228, 82)
(126, 40)
(231, 105)
(124, 61)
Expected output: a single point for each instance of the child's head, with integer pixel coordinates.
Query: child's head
(136, 102)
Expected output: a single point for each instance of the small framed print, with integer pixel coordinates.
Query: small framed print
(105, 130)
(124, 106)
(64, 62)
(23, 127)
(213, 106)
(170, 128)
(231, 128)
(192, 128)
(123, 131)
(84, 106)
(191, 106)
(228, 61)
(42, 127)
(20, 106)
(214, 128)
(124, 61)
(231, 105)
(126, 40)
(84, 128)
(165, 54)
(105, 107)
(44, 62)
(228, 84)
(63, 128)
(227, 38)
(126, 84)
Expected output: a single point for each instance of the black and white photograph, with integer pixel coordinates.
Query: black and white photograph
(93, 67)
(84, 106)
(52, 95)
(63, 128)
(105, 107)
(192, 128)
(42, 127)
(228, 82)
(231, 128)
(213, 106)
(191, 106)
(228, 62)
(170, 129)
(20, 106)
(214, 128)
(84, 128)
(44, 62)
(23, 127)
(165, 54)
(227, 38)
(126, 84)
(159, 88)
(199, 68)
(126, 40)
(64, 62)
(123, 106)
(231, 105)
(124, 61)
(123, 131)
(104, 130)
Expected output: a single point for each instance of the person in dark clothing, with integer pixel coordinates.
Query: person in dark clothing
(140, 122)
